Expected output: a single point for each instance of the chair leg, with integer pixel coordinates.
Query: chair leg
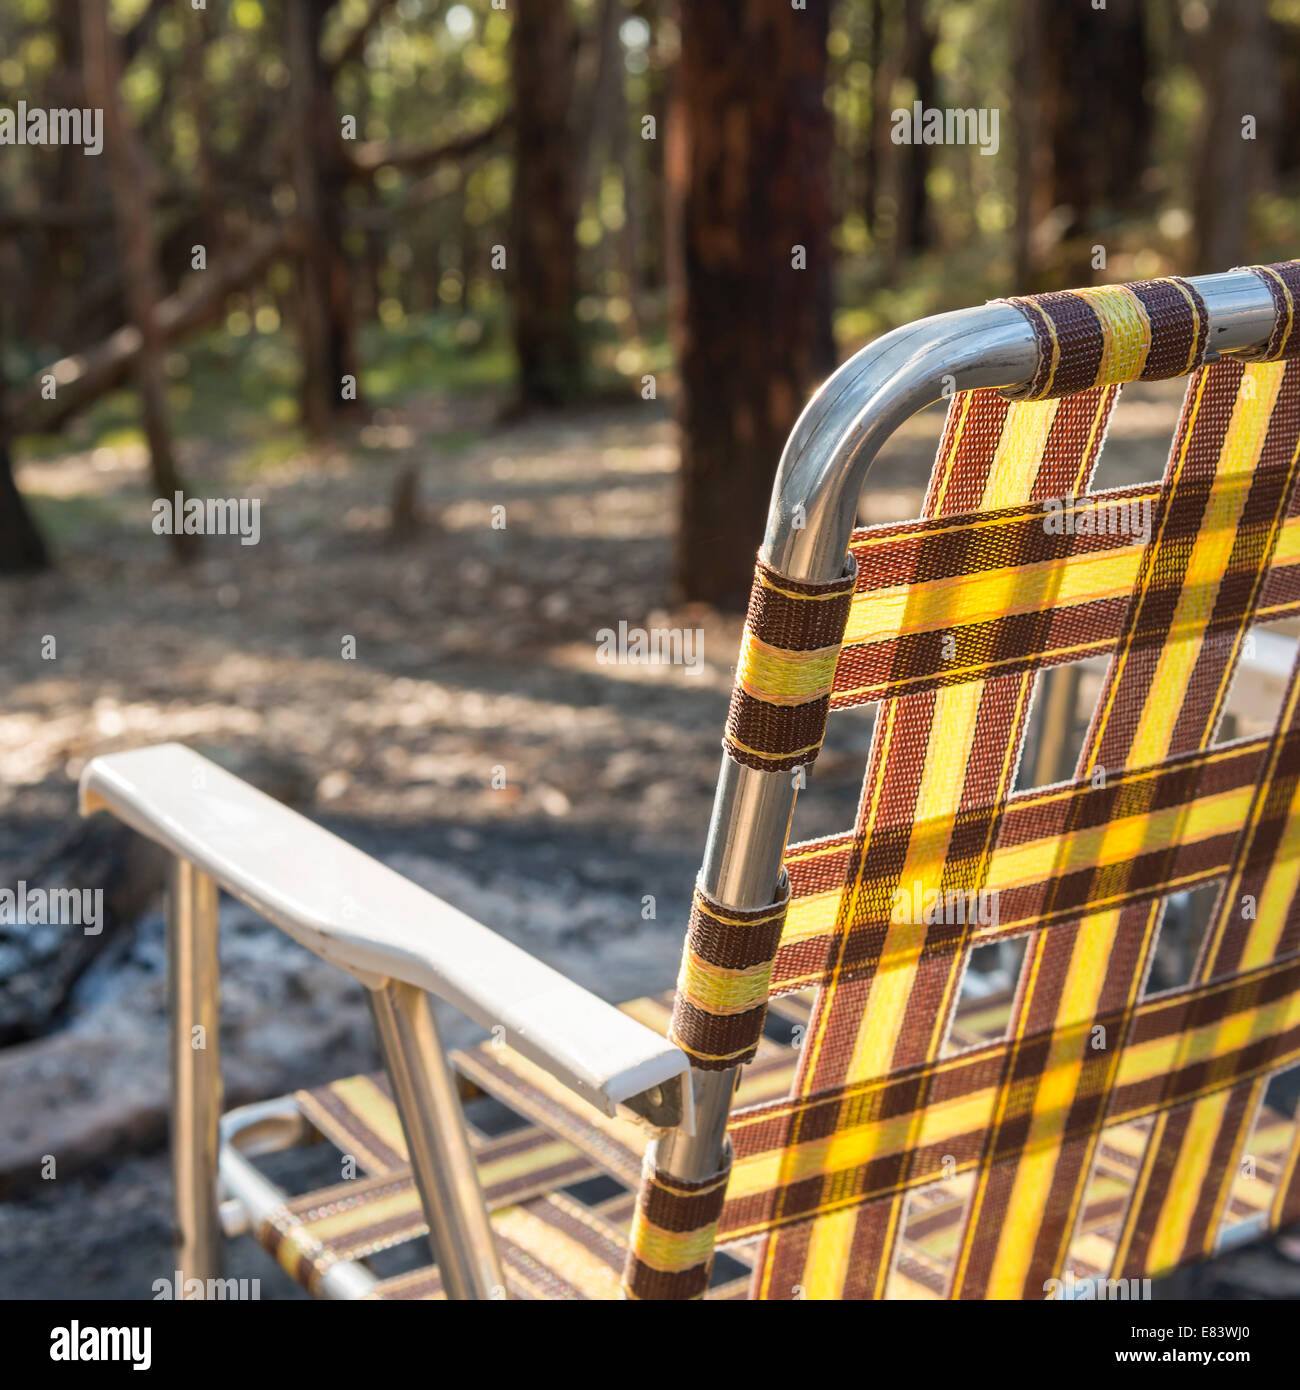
(194, 1006)
(1060, 695)
(438, 1142)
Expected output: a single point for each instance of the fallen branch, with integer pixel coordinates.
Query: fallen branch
(86, 376)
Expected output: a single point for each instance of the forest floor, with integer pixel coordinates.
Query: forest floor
(474, 740)
(475, 647)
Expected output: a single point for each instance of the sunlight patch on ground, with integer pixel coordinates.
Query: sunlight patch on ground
(95, 472)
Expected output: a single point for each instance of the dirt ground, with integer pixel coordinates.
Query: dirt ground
(475, 647)
(474, 739)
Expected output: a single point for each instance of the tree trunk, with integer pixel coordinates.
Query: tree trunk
(22, 549)
(543, 252)
(1239, 76)
(1032, 193)
(877, 123)
(626, 154)
(1096, 131)
(1285, 39)
(326, 328)
(198, 38)
(467, 242)
(912, 229)
(60, 315)
(748, 171)
(604, 82)
(131, 180)
(662, 59)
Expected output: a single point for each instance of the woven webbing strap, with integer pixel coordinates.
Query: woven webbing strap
(1145, 331)
(786, 669)
(295, 1249)
(723, 983)
(670, 1251)
(1283, 281)
(856, 1182)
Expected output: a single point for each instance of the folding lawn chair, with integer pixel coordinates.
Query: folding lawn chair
(921, 1140)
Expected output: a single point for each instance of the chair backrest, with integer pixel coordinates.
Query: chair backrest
(1095, 1127)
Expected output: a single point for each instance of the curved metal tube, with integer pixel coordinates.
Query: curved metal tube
(814, 505)
(831, 448)
(833, 443)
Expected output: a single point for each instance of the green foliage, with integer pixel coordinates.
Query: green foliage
(438, 352)
(208, 94)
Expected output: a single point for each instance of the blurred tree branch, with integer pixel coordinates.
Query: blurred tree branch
(354, 45)
(372, 155)
(84, 377)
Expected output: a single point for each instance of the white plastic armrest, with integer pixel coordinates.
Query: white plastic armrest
(363, 916)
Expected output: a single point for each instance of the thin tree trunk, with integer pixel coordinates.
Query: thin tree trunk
(198, 36)
(131, 179)
(605, 139)
(326, 326)
(876, 122)
(748, 160)
(912, 230)
(601, 103)
(625, 154)
(1031, 185)
(22, 548)
(651, 166)
(1285, 39)
(1238, 67)
(1096, 130)
(543, 251)
(467, 243)
(68, 184)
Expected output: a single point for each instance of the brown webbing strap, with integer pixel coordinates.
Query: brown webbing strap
(786, 669)
(718, 1013)
(674, 1229)
(1146, 331)
(725, 976)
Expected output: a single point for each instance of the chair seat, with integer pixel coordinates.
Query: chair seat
(554, 1246)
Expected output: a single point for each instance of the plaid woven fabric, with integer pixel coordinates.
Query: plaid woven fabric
(553, 1243)
(1146, 331)
(1014, 567)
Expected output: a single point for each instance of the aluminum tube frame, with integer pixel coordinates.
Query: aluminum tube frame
(194, 1002)
(437, 1141)
(823, 469)
(261, 1200)
(263, 1127)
